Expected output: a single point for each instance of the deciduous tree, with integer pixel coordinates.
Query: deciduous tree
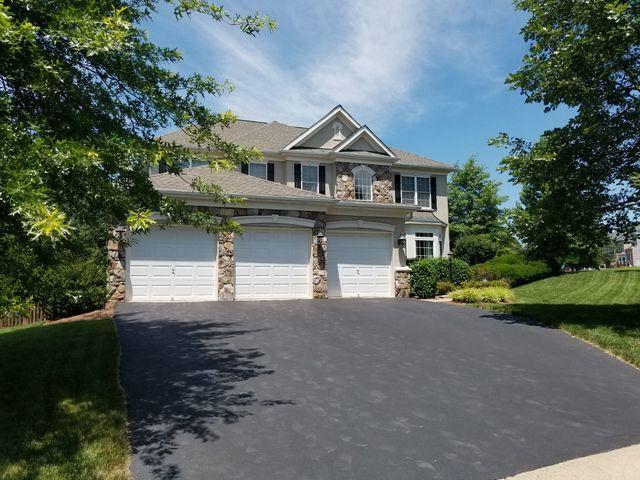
(474, 202)
(580, 179)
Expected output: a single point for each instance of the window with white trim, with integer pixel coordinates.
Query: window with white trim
(363, 181)
(415, 191)
(309, 180)
(424, 245)
(258, 170)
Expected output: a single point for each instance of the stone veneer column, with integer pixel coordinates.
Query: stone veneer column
(403, 282)
(320, 287)
(116, 272)
(226, 283)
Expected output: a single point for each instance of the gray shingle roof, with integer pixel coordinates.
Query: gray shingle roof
(232, 183)
(425, 217)
(275, 136)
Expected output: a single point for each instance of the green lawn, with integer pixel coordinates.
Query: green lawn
(61, 408)
(600, 307)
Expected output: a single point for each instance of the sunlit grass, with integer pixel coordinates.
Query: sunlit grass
(61, 409)
(600, 307)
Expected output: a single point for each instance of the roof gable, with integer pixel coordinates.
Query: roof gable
(327, 132)
(364, 139)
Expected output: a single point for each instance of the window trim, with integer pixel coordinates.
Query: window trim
(426, 237)
(415, 190)
(302, 182)
(372, 178)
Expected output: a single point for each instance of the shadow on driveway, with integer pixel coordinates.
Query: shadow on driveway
(359, 389)
(181, 379)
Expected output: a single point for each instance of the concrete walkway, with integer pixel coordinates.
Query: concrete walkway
(622, 464)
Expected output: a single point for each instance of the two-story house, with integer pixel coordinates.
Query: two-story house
(330, 211)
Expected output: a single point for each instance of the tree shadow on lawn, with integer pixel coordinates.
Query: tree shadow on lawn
(181, 379)
(614, 327)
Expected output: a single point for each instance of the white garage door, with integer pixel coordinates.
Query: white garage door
(175, 264)
(272, 264)
(359, 264)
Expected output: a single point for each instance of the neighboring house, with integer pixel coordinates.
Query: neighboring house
(331, 211)
(628, 254)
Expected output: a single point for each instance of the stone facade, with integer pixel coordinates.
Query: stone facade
(226, 281)
(382, 182)
(116, 270)
(319, 252)
(403, 283)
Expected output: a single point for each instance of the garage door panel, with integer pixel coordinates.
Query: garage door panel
(272, 264)
(359, 264)
(174, 264)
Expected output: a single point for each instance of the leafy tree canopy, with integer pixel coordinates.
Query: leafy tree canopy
(581, 179)
(474, 202)
(82, 93)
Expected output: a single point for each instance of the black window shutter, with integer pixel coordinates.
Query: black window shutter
(398, 189)
(434, 194)
(297, 175)
(270, 172)
(322, 178)
(245, 168)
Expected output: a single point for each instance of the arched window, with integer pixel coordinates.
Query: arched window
(363, 179)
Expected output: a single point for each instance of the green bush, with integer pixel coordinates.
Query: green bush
(485, 283)
(514, 268)
(72, 288)
(475, 249)
(483, 295)
(11, 303)
(427, 272)
(442, 288)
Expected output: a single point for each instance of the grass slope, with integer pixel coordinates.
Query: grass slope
(61, 409)
(600, 307)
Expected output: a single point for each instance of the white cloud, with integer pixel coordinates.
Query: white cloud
(374, 57)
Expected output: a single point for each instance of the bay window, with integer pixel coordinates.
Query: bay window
(424, 245)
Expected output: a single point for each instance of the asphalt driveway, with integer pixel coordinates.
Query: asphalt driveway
(362, 389)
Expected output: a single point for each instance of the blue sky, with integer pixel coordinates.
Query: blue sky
(425, 75)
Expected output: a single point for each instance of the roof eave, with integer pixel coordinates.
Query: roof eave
(283, 198)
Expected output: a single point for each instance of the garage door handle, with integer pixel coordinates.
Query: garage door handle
(173, 270)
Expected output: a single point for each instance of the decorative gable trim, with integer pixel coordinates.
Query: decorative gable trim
(364, 132)
(322, 123)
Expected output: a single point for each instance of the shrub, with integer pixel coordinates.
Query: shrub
(72, 288)
(442, 288)
(485, 283)
(514, 268)
(475, 249)
(427, 272)
(11, 304)
(483, 295)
